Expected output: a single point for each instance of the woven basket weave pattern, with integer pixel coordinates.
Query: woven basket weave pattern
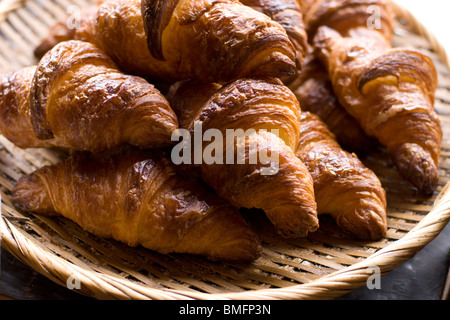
(322, 266)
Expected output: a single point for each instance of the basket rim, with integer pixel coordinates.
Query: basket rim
(330, 286)
(107, 286)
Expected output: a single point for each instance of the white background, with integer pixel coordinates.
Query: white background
(434, 15)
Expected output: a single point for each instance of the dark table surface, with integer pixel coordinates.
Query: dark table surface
(424, 277)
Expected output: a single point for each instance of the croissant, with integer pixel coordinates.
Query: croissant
(171, 40)
(283, 189)
(390, 91)
(77, 99)
(314, 92)
(313, 87)
(289, 15)
(135, 197)
(15, 113)
(345, 15)
(344, 188)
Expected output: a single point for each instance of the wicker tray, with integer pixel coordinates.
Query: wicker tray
(322, 266)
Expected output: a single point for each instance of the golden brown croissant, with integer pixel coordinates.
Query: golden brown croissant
(289, 15)
(344, 188)
(135, 197)
(314, 91)
(390, 91)
(77, 99)
(175, 40)
(344, 15)
(286, 195)
(15, 114)
(216, 40)
(313, 86)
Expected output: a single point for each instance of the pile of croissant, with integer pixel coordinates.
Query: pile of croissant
(113, 90)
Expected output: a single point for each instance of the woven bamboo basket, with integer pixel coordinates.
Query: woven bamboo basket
(325, 265)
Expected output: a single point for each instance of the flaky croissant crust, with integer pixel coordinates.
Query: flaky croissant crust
(344, 187)
(15, 113)
(160, 39)
(345, 15)
(137, 198)
(248, 103)
(398, 85)
(314, 91)
(217, 41)
(286, 197)
(288, 14)
(80, 100)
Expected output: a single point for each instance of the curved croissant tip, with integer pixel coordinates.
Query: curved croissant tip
(364, 224)
(417, 166)
(29, 193)
(296, 230)
(238, 248)
(428, 186)
(245, 254)
(276, 65)
(372, 226)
